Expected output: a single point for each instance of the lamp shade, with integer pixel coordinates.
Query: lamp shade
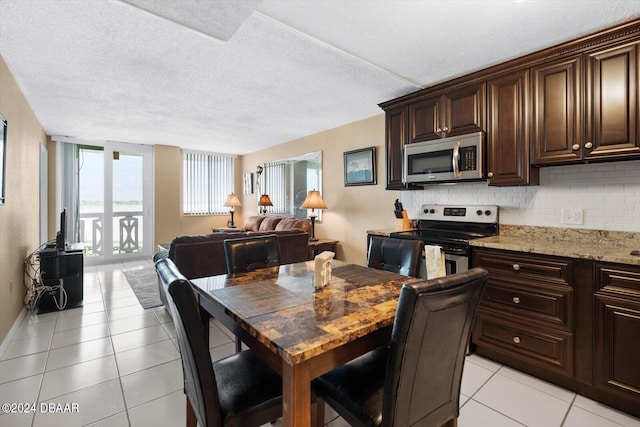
(314, 201)
(265, 200)
(232, 200)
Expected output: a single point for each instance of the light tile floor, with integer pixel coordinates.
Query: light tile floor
(120, 365)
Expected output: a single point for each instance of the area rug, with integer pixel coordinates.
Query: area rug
(144, 284)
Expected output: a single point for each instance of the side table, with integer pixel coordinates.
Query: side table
(321, 245)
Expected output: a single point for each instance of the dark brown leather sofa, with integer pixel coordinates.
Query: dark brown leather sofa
(202, 255)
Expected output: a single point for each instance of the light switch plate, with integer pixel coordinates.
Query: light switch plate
(572, 216)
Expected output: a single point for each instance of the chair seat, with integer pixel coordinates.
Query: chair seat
(250, 392)
(357, 387)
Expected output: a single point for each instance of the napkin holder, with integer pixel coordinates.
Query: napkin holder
(403, 223)
(322, 269)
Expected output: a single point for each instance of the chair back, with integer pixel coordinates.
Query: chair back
(199, 378)
(400, 256)
(251, 253)
(431, 331)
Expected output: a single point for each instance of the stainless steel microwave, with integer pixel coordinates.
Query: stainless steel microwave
(450, 159)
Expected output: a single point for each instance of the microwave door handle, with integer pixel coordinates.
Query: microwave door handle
(456, 160)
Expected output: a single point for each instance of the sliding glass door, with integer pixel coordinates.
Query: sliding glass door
(114, 206)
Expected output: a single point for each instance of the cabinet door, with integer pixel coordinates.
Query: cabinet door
(507, 133)
(617, 324)
(617, 346)
(465, 110)
(425, 121)
(612, 103)
(557, 112)
(396, 129)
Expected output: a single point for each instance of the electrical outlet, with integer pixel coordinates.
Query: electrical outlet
(572, 216)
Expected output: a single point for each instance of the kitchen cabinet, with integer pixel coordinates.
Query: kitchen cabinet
(456, 112)
(526, 311)
(396, 129)
(556, 92)
(617, 302)
(507, 131)
(610, 114)
(572, 322)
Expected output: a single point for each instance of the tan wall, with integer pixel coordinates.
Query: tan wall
(20, 216)
(169, 221)
(352, 210)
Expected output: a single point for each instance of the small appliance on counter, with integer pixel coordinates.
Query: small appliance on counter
(402, 218)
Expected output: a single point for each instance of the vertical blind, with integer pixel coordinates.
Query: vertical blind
(207, 181)
(276, 186)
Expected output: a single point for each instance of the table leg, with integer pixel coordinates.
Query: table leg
(296, 395)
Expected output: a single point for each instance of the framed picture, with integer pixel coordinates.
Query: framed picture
(247, 180)
(360, 167)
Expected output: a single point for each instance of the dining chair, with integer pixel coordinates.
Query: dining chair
(415, 381)
(251, 253)
(238, 391)
(401, 256)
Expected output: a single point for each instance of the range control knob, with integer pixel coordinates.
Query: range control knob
(432, 211)
(487, 212)
(479, 212)
(425, 211)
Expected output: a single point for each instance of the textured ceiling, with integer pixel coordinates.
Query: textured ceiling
(239, 76)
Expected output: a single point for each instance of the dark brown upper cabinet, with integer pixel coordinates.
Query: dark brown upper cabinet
(612, 103)
(453, 113)
(605, 82)
(507, 131)
(396, 137)
(556, 92)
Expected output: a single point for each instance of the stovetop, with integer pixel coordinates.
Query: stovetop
(453, 224)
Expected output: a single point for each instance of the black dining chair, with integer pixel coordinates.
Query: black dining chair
(238, 391)
(251, 253)
(401, 256)
(415, 381)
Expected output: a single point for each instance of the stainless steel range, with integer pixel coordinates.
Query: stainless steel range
(452, 227)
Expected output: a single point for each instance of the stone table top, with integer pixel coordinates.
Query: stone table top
(279, 306)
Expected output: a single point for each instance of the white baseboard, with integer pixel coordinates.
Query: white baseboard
(12, 331)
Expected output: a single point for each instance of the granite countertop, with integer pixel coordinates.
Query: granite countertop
(598, 245)
(385, 232)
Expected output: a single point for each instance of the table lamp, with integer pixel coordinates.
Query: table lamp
(313, 201)
(264, 202)
(232, 201)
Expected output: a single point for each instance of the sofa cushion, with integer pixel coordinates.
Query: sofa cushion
(252, 223)
(269, 223)
(294, 224)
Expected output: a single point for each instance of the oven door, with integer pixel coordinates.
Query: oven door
(455, 261)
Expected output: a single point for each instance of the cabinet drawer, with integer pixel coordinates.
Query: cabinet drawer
(551, 270)
(547, 348)
(546, 305)
(621, 280)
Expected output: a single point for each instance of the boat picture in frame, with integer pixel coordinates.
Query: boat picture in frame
(360, 167)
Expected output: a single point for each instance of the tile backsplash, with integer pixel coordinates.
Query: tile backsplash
(607, 193)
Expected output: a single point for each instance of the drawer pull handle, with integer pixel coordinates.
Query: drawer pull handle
(516, 300)
(516, 340)
(516, 267)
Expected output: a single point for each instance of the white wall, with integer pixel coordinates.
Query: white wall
(608, 193)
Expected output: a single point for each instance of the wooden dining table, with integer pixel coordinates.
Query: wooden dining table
(299, 331)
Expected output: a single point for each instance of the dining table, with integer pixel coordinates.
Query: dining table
(302, 331)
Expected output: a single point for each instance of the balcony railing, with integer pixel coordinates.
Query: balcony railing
(126, 228)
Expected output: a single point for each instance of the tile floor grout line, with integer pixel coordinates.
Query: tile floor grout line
(566, 415)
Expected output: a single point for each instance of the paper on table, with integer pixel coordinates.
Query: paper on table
(322, 269)
(434, 259)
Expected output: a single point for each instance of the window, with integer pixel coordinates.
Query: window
(207, 181)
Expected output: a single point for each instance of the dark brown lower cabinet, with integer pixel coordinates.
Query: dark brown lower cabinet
(617, 344)
(575, 323)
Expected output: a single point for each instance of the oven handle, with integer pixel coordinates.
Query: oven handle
(456, 160)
